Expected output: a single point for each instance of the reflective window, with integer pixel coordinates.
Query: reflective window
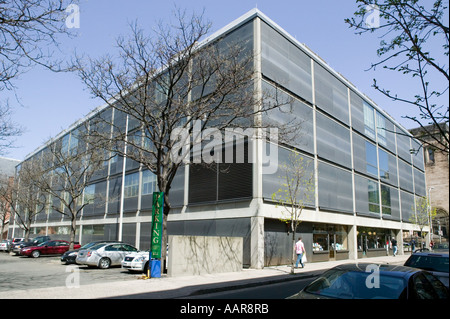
(149, 183)
(131, 187)
(371, 159)
(369, 120)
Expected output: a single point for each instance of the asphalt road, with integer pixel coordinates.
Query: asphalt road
(280, 290)
(18, 272)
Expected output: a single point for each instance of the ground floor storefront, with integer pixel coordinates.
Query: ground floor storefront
(267, 241)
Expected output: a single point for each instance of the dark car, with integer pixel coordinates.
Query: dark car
(31, 242)
(435, 262)
(69, 257)
(52, 247)
(373, 281)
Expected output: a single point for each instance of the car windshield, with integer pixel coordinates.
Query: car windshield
(429, 262)
(357, 285)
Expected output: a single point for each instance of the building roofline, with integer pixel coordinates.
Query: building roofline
(246, 17)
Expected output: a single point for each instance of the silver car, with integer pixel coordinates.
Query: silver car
(104, 255)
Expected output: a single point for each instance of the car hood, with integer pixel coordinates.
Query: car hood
(138, 253)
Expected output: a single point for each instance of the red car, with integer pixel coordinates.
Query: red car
(51, 247)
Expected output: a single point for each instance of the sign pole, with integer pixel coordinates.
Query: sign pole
(156, 236)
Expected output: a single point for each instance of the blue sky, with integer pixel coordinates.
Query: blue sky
(50, 102)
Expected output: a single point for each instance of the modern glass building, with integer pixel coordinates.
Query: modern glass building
(366, 177)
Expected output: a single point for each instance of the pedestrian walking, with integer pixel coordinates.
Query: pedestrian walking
(299, 250)
(394, 246)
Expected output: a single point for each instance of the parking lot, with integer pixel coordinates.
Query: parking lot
(20, 273)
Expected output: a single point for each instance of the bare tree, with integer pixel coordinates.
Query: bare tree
(67, 173)
(166, 84)
(5, 195)
(8, 128)
(29, 32)
(25, 200)
(409, 29)
(295, 192)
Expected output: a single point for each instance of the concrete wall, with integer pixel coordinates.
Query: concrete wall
(197, 255)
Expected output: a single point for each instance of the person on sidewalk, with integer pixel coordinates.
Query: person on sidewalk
(299, 250)
(394, 246)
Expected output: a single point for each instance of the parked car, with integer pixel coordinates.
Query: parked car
(137, 261)
(441, 247)
(352, 281)
(52, 247)
(104, 255)
(31, 242)
(69, 257)
(5, 245)
(435, 262)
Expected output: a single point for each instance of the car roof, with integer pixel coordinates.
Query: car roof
(432, 253)
(393, 270)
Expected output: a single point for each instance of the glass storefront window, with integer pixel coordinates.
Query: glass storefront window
(326, 237)
(341, 238)
(320, 237)
(372, 238)
(320, 242)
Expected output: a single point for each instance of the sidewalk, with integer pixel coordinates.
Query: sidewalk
(179, 287)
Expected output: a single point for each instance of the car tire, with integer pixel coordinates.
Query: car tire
(146, 267)
(35, 253)
(104, 263)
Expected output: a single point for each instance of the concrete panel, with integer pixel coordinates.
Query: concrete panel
(198, 255)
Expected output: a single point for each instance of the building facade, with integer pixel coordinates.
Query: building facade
(366, 179)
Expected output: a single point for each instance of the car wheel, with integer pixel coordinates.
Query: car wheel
(146, 267)
(104, 263)
(35, 253)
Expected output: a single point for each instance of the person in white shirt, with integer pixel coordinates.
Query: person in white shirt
(299, 250)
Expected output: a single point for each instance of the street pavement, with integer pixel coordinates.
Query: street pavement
(184, 286)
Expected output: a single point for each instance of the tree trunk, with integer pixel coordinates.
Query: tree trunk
(294, 255)
(73, 228)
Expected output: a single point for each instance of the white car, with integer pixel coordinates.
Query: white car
(136, 262)
(4, 245)
(104, 255)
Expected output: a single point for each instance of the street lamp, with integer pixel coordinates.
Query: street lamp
(429, 213)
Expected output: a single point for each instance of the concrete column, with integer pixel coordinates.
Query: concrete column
(399, 238)
(257, 242)
(352, 243)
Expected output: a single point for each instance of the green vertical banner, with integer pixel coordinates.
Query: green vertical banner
(157, 221)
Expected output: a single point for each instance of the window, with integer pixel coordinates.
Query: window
(89, 194)
(374, 199)
(371, 159)
(131, 188)
(430, 156)
(386, 200)
(369, 121)
(384, 164)
(149, 184)
(381, 129)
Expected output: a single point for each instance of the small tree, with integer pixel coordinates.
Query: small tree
(296, 190)
(424, 214)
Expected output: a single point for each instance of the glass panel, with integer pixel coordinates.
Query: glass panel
(333, 141)
(369, 121)
(371, 159)
(131, 187)
(331, 94)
